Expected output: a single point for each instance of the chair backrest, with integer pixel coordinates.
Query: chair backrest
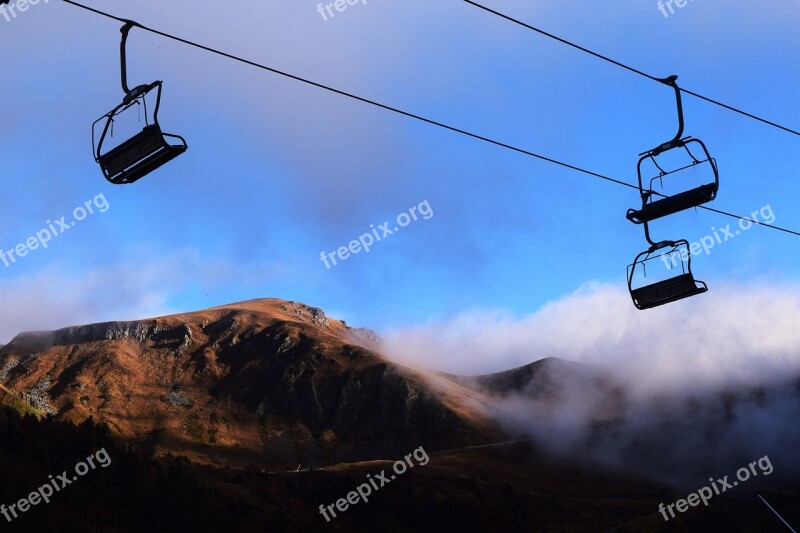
(662, 207)
(139, 147)
(666, 291)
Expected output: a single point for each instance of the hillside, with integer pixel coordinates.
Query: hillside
(266, 382)
(9, 399)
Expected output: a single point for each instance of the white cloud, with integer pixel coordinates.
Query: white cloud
(54, 297)
(730, 335)
(696, 388)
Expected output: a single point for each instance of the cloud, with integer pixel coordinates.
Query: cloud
(676, 394)
(732, 335)
(54, 297)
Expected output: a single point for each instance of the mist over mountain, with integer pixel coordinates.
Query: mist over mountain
(615, 387)
(587, 415)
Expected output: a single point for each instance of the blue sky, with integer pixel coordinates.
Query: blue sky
(277, 171)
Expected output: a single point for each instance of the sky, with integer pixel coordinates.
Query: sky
(278, 172)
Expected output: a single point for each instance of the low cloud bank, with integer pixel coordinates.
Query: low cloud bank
(678, 394)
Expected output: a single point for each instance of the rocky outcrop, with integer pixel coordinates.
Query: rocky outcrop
(108, 331)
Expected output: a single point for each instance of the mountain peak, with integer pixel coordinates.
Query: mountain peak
(263, 311)
(260, 380)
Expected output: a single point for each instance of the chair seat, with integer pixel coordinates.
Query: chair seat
(138, 156)
(667, 291)
(674, 204)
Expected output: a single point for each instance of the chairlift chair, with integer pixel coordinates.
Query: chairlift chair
(147, 150)
(669, 290)
(654, 208)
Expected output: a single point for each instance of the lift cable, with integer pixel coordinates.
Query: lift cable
(628, 67)
(410, 115)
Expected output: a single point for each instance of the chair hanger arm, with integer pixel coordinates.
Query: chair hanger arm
(676, 141)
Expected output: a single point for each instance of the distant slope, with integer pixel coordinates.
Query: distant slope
(535, 379)
(549, 384)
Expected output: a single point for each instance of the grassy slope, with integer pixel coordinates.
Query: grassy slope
(15, 402)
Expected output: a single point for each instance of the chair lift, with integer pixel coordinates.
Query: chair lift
(653, 209)
(668, 290)
(144, 152)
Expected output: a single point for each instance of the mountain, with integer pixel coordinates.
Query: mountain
(280, 408)
(264, 382)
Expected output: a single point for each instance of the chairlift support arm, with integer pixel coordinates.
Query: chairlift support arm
(676, 141)
(136, 92)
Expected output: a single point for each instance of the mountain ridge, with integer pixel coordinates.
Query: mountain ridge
(263, 380)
